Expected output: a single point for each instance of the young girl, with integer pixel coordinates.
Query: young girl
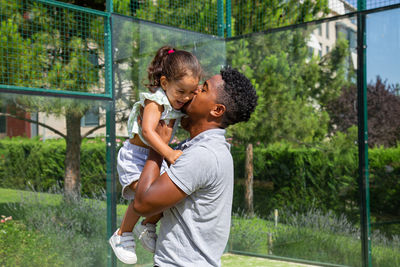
(173, 79)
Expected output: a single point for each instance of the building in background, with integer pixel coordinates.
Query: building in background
(323, 38)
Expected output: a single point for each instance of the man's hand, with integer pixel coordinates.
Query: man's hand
(165, 130)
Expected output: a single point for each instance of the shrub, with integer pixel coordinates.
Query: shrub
(248, 234)
(75, 228)
(384, 180)
(40, 164)
(324, 177)
(20, 246)
(313, 235)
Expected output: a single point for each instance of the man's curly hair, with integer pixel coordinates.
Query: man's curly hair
(238, 96)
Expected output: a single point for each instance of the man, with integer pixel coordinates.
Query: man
(195, 194)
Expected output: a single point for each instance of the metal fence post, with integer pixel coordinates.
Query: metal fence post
(363, 169)
(228, 18)
(220, 14)
(110, 133)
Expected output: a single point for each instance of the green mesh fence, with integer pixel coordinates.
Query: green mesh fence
(56, 46)
(52, 46)
(255, 16)
(200, 16)
(245, 17)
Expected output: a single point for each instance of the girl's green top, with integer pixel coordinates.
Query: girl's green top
(160, 98)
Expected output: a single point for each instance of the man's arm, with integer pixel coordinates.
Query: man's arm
(155, 193)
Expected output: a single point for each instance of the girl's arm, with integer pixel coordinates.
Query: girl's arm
(151, 116)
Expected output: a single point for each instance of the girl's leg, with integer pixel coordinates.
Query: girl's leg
(123, 241)
(153, 219)
(130, 218)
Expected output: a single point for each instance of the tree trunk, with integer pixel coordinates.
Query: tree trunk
(249, 180)
(72, 178)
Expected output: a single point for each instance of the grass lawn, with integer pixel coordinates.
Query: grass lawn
(228, 260)
(232, 260)
(13, 195)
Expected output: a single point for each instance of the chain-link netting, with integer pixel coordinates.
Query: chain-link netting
(255, 16)
(304, 131)
(199, 16)
(51, 46)
(246, 16)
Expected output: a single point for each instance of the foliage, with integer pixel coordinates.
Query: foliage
(199, 16)
(312, 235)
(385, 182)
(255, 16)
(383, 102)
(49, 51)
(57, 48)
(247, 233)
(292, 86)
(324, 176)
(76, 227)
(61, 48)
(44, 164)
(20, 246)
(73, 232)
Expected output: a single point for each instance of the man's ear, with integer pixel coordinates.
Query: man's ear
(218, 110)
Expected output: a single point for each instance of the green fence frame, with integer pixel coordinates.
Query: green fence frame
(108, 96)
(363, 171)
(224, 27)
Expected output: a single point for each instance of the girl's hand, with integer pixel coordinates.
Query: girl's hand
(173, 156)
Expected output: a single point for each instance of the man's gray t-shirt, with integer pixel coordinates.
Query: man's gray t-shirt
(195, 231)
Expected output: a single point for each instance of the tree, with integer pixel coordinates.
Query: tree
(57, 48)
(383, 102)
(258, 15)
(293, 88)
(53, 48)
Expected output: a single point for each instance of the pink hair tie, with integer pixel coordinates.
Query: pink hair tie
(171, 51)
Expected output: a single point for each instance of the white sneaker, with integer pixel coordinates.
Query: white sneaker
(124, 247)
(147, 235)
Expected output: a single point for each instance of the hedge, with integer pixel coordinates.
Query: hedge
(40, 164)
(285, 177)
(324, 178)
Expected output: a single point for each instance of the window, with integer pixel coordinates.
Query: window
(310, 52)
(93, 58)
(327, 49)
(34, 126)
(91, 117)
(3, 120)
(327, 30)
(320, 30)
(320, 50)
(352, 39)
